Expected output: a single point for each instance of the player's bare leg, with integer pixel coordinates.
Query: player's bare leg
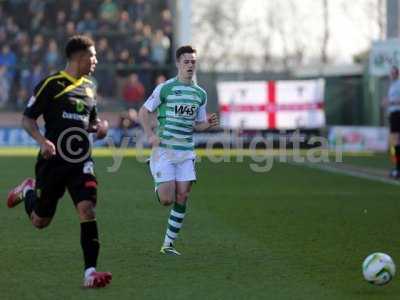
(183, 189)
(40, 222)
(91, 246)
(165, 192)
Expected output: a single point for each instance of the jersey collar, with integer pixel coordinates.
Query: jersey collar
(191, 82)
(71, 78)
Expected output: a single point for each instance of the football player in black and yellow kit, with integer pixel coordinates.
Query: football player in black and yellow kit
(66, 100)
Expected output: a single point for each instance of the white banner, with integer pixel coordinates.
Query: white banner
(383, 55)
(359, 138)
(272, 105)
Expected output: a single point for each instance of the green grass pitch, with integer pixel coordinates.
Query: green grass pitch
(291, 233)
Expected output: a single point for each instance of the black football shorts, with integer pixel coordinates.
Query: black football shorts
(394, 122)
(53, 178)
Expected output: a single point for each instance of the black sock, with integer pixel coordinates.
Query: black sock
(90, 243)
(30, 202)
(397, 156)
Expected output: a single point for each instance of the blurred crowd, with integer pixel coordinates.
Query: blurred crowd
(133, 43)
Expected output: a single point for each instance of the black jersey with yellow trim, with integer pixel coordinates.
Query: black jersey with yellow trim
(64, 102)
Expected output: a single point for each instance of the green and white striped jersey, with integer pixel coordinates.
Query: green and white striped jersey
(179, 106)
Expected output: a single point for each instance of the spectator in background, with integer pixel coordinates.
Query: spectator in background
(135, 42)
(22, 97)
(37, 7)
(138, 9)
(124, 61)
(38, 49)
(159, 47)
(133, 92)
(75, 11)
(9, 60)
(52, 58)
(145, 63)
(109, 11)
(36, 75)
(160, 79)
(36, 35)
(129, 126)
(25, 63)
(104, 52)
(146, 36)
(60, 26)
(2, 15)
(21, 40)
(30, 78)
(88, 24)
(3, 36)
(37, 22)
(166, 22)
(11, 28)
(138, 27)
(4, 86)
(144, 60)
(128, 119)
(167, 27)
(70, 29)
(124, 23)
(24, 57)
(104, 75)
(22, 20)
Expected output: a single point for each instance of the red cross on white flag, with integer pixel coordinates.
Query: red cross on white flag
(272, 104)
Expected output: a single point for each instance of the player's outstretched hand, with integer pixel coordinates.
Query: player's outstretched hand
(47, 149)
(213, 120)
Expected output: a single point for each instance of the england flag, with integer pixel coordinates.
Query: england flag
(272, 104)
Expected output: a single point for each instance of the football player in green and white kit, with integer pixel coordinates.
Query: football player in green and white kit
(180, 106)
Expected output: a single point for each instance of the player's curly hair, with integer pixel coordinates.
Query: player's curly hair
(78, 43)
(184, 49)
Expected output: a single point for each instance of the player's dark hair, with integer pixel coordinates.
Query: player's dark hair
(184, 49)
(78, 43)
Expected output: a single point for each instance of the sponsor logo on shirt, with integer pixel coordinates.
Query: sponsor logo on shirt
(79, 105)
(75, 117)
(185, 110)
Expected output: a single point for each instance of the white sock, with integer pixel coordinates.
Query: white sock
(25, 190)
(89, 271)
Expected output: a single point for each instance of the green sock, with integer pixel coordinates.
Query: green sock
(175, 221)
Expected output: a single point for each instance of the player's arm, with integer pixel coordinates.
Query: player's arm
(202, 121)
(210, 122)
(146, 116)
(100, 127)
(47, 148)
(36, 106)
(92, 127)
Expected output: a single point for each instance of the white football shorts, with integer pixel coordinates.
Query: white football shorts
(176, 168)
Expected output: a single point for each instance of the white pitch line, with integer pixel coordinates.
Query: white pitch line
(352, 173)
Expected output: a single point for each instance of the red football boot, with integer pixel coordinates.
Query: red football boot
(97, 280)
(15, 196)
